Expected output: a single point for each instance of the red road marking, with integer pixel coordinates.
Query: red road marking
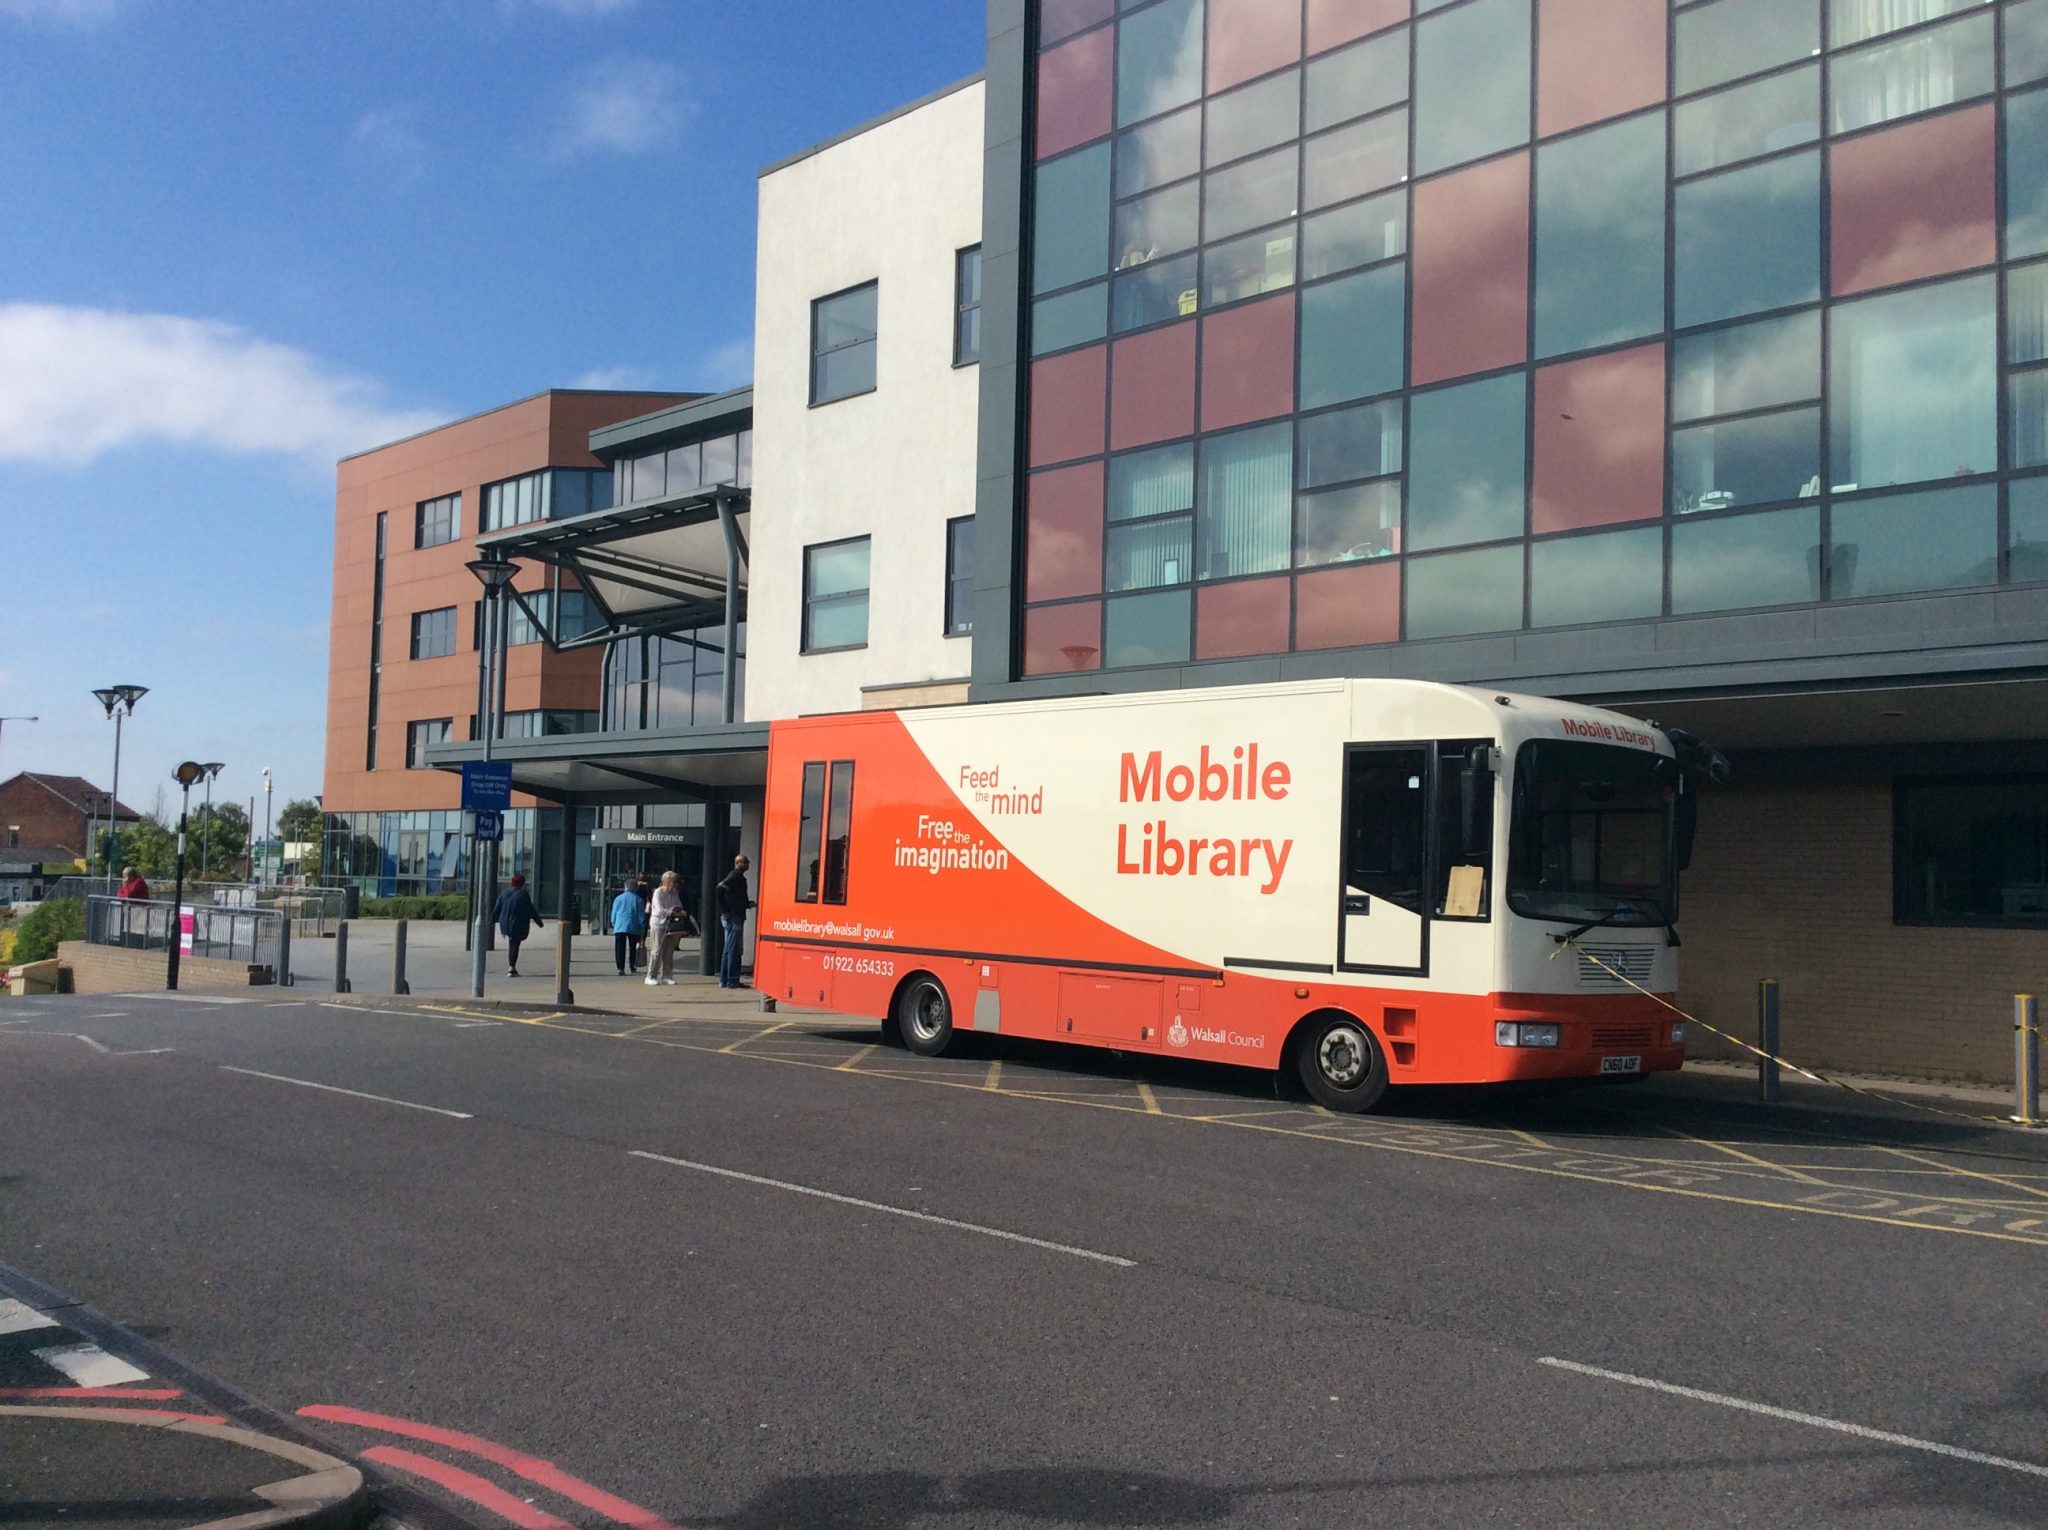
(532, 1468)
(139, 1394)
(469, 1485)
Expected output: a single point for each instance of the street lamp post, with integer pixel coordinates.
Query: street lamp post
(118, 700)
(212, 769)
(18, 717)
(493, 574)
(264, 880)
(185, 775)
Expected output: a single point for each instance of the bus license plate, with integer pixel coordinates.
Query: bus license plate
(1621, 1065)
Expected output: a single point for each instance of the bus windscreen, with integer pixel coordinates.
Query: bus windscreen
(1592, 835)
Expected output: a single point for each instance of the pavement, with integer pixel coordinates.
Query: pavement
(89, 1438)
(706, 1267)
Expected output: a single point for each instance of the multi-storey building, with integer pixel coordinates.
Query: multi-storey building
(407, 626)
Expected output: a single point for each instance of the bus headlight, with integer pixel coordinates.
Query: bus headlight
(1678, 1033)
(1525, 1033)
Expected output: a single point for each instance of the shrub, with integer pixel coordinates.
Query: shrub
(59, 919)
(445, 906)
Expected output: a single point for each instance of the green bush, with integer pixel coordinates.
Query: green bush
(59, 919)
(446, 906)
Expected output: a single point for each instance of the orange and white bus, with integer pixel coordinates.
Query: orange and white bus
(1364, 882)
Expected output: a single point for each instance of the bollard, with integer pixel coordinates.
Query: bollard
(398, 982)
(2026, 1059)
(341, 958)
(563, 993)
(1767, 1040)
(284, 954)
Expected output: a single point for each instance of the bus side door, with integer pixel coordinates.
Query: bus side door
(1383, 924)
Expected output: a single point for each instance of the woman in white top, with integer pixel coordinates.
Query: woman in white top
(665, 924)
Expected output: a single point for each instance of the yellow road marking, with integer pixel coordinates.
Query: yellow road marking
(995, 1073)
(2010, 1184)
(1736, 1152)
(736, 1045)
(1259, 1121)
(1145, 1094)
(852, 1064)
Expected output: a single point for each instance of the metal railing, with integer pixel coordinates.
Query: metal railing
(258, 937)
(314, 910)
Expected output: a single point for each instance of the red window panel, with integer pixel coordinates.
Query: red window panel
(1331, 22)
(1075, 90)
(1471, 281)
(1066, 406)
(1600, 440)
(1914, 201)
(1248, 363)
(1596, 59)
(1152, 393)
(1340, 607)
(1233, 621)
(1063, 533)
(1251, 37)
(1061, 639)
(1062, 18)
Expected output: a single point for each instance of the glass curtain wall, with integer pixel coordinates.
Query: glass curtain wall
(1351, 323)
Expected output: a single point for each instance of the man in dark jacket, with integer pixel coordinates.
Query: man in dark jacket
(516, 917)
(733, 904)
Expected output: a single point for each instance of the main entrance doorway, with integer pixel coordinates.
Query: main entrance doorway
(620, 855)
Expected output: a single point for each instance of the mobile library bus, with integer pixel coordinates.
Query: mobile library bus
(1366, 882)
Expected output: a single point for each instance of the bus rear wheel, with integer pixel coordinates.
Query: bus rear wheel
(924, 1016)
(1340, 1064)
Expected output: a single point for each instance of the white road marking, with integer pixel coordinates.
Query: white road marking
(90, 1366)
(381, 1099)
(185, 998)
(110, 1014)
(463, 1025)
(20, 1317)
(1860, 1431)
(894, 1211)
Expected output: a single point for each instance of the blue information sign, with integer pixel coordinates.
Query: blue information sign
(486, 784)
(490, 826)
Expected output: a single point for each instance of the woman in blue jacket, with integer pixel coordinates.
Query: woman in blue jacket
(516, 917)
(629, 924)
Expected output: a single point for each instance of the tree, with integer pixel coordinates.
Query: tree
(147, 845)
(52, 921)
(300, 822)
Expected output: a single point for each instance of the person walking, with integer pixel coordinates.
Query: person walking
(643, 889)
(516, 917)
(670, 922)
(629, 923)
(733, 904)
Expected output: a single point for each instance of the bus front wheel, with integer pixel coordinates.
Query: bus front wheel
(1340, 1064)
(924, 1016)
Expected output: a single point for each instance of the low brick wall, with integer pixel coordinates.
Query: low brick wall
(118, 969)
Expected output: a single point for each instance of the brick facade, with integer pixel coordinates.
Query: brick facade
(1793, 881)
(118, 969)
(52, 810)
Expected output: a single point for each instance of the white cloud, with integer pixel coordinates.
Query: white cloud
(390, 136)
(76, 382)
(626, 379)
(726, 366)
(621, 105)
(70, 13)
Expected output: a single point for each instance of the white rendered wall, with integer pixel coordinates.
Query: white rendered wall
(892, 204)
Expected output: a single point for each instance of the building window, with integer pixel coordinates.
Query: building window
(420, 736)
(836, 595)
(376, 645)
(960, 576)
(433, 633)
(1970, 850)
(967, 306)
(551, 494)
(843, 344)
(547, 723)
(437, 521)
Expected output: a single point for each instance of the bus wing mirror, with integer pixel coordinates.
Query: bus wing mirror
(1475, 791)
(1686, 823)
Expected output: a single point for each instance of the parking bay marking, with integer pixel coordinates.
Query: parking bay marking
(1790, 1415)
(894, 1211)
(381, 1099)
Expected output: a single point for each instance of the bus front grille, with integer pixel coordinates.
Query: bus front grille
(1632, 962)
(1623, 1038)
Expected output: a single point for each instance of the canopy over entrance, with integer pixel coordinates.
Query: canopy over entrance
(620, 769)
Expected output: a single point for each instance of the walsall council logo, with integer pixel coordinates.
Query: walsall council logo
(1177, 1034)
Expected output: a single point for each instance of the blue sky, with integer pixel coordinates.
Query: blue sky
(241, 238)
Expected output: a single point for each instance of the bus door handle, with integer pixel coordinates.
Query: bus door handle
(1357, 903)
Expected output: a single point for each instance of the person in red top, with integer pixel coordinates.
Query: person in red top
(132, 885)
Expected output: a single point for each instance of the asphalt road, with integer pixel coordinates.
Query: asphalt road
(762, 1273)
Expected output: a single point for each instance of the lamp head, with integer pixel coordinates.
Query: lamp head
(213, 768)
(113, 696)
(188, 772)
(492, 573)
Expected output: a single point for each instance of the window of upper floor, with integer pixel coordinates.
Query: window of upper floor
(836, 595)
(967, 306)
(437, 522)
(550, 494)
(843, 328)
(433, 633)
